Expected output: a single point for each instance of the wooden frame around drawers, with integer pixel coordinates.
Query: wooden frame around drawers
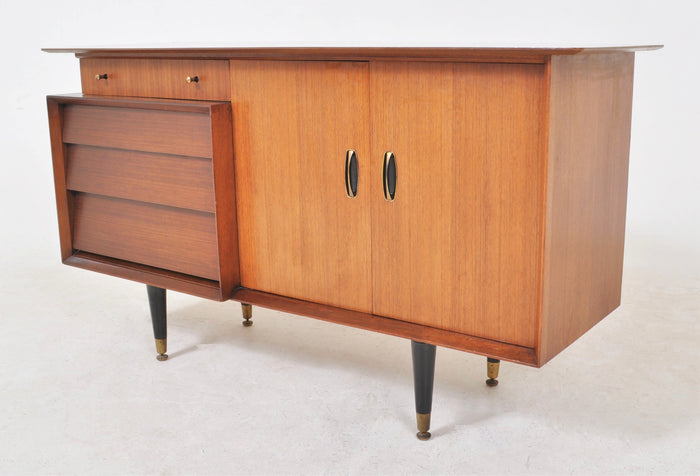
(80, 191)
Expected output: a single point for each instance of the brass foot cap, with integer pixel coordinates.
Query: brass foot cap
(423, 435)
(247, 323)
(492, 382)
(162, 357)
(247, 311)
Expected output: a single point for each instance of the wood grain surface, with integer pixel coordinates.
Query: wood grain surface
(225, 190)
(161, 278)
(184, 182)
(158, 104)
(299, 234)
(154, 235)
(458, 248)
(590, 117)
(394, 327)
(439, 54)
(506, 235)
(157, 78)
(145, 130)
(64, 199)
(120, 192)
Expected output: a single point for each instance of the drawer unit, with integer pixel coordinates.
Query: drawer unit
(147, 185)
(161, 78)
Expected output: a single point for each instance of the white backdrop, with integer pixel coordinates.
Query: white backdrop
(664, 205)
(77, 374)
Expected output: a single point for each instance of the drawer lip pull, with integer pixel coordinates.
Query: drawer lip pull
(389, 176)
(98, 77)
(192, 79)
(351, 173)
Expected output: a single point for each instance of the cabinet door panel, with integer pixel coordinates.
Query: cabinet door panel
(459, 248)
(300, 234)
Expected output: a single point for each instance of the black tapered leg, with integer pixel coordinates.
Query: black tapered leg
(247, 314)
(423, 376)
(492, 366)
(156, 299)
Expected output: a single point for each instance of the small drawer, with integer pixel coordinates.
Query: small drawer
(156, 78)
(154, 235)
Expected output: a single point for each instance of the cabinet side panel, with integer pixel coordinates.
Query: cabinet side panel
(63, 198)
(590, 113)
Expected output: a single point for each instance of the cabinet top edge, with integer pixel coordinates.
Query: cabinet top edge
(351, 54)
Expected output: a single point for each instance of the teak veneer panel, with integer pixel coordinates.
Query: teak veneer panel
(64, 199)
(146, 130)
(226, 192)
(184, 182)
(154, 235)
(299, 234)
(156, 247)
(156, 78)
(161, 278)
(458, 248)
(590, 117)
(506, 236)
(385, 325)
(455, 54)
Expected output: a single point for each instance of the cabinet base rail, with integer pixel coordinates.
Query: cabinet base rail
(394, 327)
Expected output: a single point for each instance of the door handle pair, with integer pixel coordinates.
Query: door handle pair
(388, 174)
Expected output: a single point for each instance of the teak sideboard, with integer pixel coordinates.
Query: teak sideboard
(472, 198)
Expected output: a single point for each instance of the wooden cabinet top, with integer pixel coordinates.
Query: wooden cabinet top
(514, 55)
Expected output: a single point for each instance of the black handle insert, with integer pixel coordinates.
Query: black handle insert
(351, 173)
(389, 176)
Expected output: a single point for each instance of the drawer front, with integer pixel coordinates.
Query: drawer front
(156, 78)
(184, 182)
(146, 130)
(154, 235)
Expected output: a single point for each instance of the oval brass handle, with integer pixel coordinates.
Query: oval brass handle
(389, 176)
(100, 76)
(351, 173)
(192, 79)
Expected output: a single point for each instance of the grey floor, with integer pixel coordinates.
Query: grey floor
(82, 393)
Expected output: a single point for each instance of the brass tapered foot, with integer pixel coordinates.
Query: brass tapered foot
(492, 366)
(159, 316)
(423, 376)
(423, 420)
(162, 348)
(247, 314)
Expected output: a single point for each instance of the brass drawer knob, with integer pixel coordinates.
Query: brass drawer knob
(100, 76)
(192, 79)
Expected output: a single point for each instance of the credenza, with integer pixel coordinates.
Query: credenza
(471, 198)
